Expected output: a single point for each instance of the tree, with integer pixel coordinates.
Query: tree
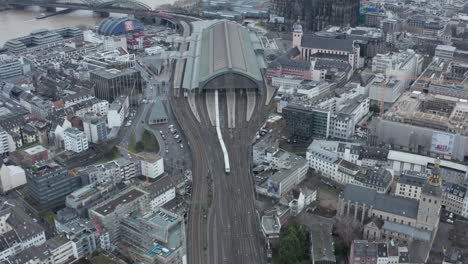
(149, 141)
(132, 144)
(140, 146)
(374, 108)
(295, 245)
(348, 229)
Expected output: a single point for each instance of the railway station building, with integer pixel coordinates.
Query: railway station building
(223, 55)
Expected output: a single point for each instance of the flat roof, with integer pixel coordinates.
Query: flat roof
(123, 198)
(35, 149)
(423, 160)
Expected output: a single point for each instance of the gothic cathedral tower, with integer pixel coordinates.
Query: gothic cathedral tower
(430, 202)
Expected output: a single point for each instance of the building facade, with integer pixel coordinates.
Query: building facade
(49, 183)
(75, 140)
(111, 83)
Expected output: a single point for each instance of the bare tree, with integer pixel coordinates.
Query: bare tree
(348, 229)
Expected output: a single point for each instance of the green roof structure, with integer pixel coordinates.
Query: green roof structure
(221, 56)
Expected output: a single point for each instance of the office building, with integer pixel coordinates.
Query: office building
(111, 212)
(397, 71)
(288, 170)
(305, 123)
(10, 67)
(75, 140)
(112, 83)
(118, 111)
(49, 183)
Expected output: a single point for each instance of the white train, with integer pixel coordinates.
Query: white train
(227, 168)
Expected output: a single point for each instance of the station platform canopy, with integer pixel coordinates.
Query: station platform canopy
(222, 55)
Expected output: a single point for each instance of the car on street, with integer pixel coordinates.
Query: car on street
(160, 132)
(181, 146)
(167, 150)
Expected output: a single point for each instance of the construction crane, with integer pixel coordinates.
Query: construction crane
(138, 155)
(402, 77)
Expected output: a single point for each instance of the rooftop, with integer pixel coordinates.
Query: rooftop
(271, 224)
(35, 149)
(383, 202)
(123, 198)
(410, 231)
(221, 51)
(413, 178)
(322, 239)
(311, 41)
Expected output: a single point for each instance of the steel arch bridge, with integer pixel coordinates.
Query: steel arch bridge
(92, 4)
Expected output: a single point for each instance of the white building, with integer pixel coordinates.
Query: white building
(162, 191)
(60, 249)
(398, 71)
(410, 184)
(13, 223)
(286, 83)
(152, 167)
(11, 177)
(118, 111)
(75, 140)
(455, 199)
(6, 142)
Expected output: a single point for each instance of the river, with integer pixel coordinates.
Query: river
(16, 23)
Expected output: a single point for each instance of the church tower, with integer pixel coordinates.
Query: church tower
(430, 202)
(297, 34)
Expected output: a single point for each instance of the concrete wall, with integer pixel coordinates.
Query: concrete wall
(412, 138)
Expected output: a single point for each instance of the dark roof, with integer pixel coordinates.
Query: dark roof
(310, 41)
(112, 204)
(285, 62)
(327, 64)
(379, 177)
(382, 202)
(413, 178)
(434, 190)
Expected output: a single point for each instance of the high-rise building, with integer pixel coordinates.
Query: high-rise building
(49, 183)
(95, 128)
(111, 83)
(75, 140)
(318, 14)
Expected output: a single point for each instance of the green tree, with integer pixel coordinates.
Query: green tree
(294, 247)
(132, 144)
(149, 141)
(140, 146)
